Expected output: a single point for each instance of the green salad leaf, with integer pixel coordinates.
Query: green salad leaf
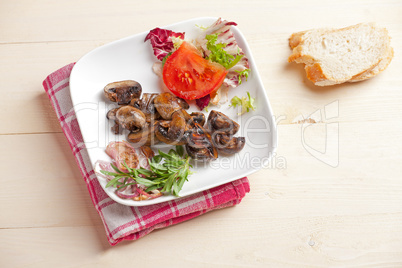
(165, 58)
(244, 73)
(245, 103)
(218, 54)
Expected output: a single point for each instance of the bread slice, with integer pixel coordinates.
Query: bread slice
(334, 56)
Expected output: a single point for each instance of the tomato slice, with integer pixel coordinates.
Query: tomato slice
(189, 76)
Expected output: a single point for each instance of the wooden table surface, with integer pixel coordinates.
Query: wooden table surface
(332, 195)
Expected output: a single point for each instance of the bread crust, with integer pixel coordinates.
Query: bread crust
(381, 66)
(314, 73)
(295, 39)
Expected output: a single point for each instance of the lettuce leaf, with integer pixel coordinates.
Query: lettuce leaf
(244, 103)
(225, 41)
(218, 54)
(162, 41)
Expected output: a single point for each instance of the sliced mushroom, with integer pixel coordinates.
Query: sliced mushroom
(123, 92)
(182, 103)
(147, 106)
(173, 132)
(147, 152)
(145, 136)
(130, 118)
(198, 117)
(218, 121)
(111, 114)
(199, 144)
(227, 144)
(166, 104)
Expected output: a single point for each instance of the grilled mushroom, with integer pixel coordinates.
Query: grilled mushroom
(199, 144)
(172, 132)
(166, 104)
(130, 118)
(222, 129)
(123, 92)
(145, 136)
(147, 106)
(111, 114)
(147, 152)
(218, 121)
(198, 117)
(227, 144)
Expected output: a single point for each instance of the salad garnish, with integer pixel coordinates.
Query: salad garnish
(165, 58)
(167, 174)
(190, 76)
(218, 54)
(216, 43)
(203, 101)
(245, 73)
(162, 41)
(245, 103)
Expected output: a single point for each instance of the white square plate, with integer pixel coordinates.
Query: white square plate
(132, 58)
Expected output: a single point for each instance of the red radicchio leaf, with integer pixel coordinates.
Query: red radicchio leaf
(161, 41)
(203, 102)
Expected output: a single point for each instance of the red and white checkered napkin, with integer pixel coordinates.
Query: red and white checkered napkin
(124, 222)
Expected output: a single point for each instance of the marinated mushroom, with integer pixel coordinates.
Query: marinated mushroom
(122, 92)
(138, 115)
(166, 104)
(222, 129)
(173, 132)
(227, 144)
(218, 121)
(147, 152)
(145, 136)
(130, 118)
(198, 117)
(199, 144)
(147, 106)
(111, 114)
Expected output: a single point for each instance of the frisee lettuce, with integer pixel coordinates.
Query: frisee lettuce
(218, 54)
(244, 73)
(177, 41)
(244, 103)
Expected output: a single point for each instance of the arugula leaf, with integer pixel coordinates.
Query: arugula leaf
(245, 103)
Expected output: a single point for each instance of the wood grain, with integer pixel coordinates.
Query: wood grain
(301, 211)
